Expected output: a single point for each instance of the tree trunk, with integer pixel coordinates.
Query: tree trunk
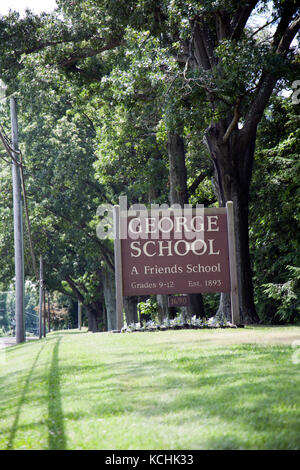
(246, 292)
(224, 310)
(196, 306)
(95, 313)
(92, 321)
(179, 195)
(163, 310)
(233, 182)
(130, 307)
(110, 299)
(178, 176)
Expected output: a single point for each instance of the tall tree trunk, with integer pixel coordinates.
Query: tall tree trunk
(233, 182)
(94, 309)
(110, 299)
(95, 315)
(163, 310)
(90, 320)
(178, 175)
(246, 292)
(179, 195)
(130, 307)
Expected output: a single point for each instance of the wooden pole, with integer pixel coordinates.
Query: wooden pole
(234, 294)
(118, 269)
(18, 229)
(41, 299)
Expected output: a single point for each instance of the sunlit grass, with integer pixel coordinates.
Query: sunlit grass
(220, 389)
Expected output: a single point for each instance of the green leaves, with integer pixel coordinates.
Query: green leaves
(274, 234)
(286, 295)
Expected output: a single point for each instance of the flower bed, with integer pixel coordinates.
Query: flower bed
(177, 324)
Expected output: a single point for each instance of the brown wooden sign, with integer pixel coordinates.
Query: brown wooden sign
(175, 253)
(170, 264)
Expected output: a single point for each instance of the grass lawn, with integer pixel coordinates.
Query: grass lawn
(189, 389)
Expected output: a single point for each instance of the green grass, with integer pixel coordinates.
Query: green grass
(199, 389)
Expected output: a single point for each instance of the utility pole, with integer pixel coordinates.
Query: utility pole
(41, 299)
(18, 228)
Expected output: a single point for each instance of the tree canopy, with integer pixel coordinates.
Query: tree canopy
(159, 101)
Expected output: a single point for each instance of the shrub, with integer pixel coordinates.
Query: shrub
(286, 296)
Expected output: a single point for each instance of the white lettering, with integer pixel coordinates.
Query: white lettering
(210, 222)
(187, 247)
(194, 223)
(181, 222)
(135, 246)
(204, 248)
(150, 224)
(145, 249)
(162, 225)
(211, 248)
(168, 247)
(134, 223)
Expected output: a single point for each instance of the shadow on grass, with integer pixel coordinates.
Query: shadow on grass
(252, 395)
(22, 401)
(56, 432)
(239, 397)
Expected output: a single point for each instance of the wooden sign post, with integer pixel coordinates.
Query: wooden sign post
(175, 252)
(234, 291)
(118, 268)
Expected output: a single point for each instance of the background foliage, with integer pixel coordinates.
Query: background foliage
(99, 87)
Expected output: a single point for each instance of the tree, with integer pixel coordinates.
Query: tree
(222, 64)
(274, 232)
(63, 195)
(222, 46)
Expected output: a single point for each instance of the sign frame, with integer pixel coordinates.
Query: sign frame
(234, 291)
